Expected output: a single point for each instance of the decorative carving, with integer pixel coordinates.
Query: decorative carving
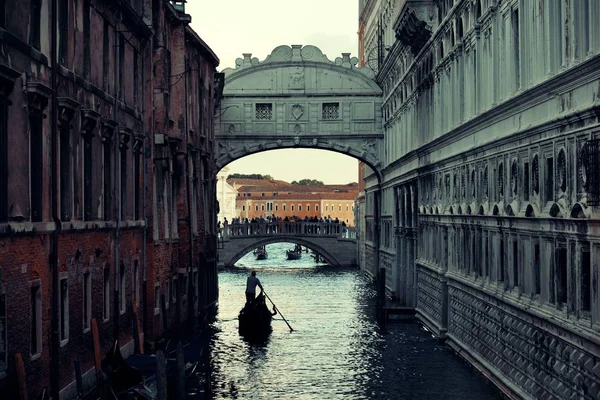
(463, 184)
(138, 142)
(297, 78)
(485, 182)
(66, 109)
(37, 96)
(561, 169)
(89, 119)
(225, 148)
(297, 111)
(279, 142)
(231, 128)
(125, 137)
(297, 140)
(108, 129)
(500, 180)
(447, 177)
(315, 141)
(583, 166)
(455, 187)
(473, 191)
(369, 147)
(535, 175)
(514, 173)
(297, 128)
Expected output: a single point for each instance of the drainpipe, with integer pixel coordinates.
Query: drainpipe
(53, 261)
(117, 183)
(143, 205)
(190, 305)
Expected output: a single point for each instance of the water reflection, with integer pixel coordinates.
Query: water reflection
(336, 350)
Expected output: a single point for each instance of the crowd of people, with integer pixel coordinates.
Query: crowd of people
(273, 224)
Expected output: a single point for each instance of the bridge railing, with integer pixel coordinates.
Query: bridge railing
(288, 229)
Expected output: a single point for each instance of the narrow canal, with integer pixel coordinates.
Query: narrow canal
(336, 350)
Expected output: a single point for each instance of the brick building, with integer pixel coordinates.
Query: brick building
(258, 198)
(86, 141)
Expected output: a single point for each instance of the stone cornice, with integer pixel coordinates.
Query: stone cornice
(108, 129)
(124, 137)
(67, 107)
(38, 95)
(8, 76)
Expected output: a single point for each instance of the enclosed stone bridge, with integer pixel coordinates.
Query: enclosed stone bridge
(334, 242)
(298, 98)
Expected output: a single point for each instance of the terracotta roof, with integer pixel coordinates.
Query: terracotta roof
(286, 187)
(350, 195)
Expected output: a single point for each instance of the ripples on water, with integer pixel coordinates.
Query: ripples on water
(336, 350)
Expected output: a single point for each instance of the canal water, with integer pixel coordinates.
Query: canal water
(336, 350)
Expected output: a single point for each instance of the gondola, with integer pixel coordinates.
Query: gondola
(261, 253)
(255, 320)
(294, 254)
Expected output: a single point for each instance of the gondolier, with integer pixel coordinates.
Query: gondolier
(251, 284)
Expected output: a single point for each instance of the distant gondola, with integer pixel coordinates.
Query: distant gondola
(295, 254)
(261, 253)
(255, 320)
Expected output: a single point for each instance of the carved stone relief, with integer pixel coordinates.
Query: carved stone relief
(562, 171)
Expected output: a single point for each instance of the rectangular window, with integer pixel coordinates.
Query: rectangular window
(276, 207)
(124, 182)
(87, 300)
(550, 179)
(137, 189)
(516, 50)
(331, 110)
(284, 207)
(536, 269)
(561, 274)
(156, 299)
(326, 208)
(308, 207)
(339, 208)
(264, 111)
(64, 309)
(174, 290)
(299, 207)
(63, 34)
(3, 160)
(292, 207)
(526, 181)
(316, 208)
(167, 293)
(262, 207)
(86, 39)
(586, 284)
(36, 320)
(135, 78)
(243, 208)
(3, 337)
(121, 66)
(36, 165)
(65, 172)
(105, 55)
(256, 207)
(516, 263)
(107, 179)
(501, 263)
(87, 178)
(347, 208)
(135, 281)
(106, 294)
(35, 16)
(122, 288)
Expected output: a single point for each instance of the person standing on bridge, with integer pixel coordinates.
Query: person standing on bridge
(251, 283)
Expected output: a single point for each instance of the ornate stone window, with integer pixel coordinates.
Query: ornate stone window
(514, 170)
(7, 82)
(108, 130)
(535, 175)
(485, 182)
(89, 119)
(562, 171)
(66, 108)
(500, 180)
(264, 111)
(331, 110)
(473, 191)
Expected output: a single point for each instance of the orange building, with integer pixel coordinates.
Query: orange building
(261, 198)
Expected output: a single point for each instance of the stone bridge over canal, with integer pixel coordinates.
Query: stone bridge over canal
(336, 243)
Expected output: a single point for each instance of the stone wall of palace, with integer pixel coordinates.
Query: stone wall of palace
(491, 185)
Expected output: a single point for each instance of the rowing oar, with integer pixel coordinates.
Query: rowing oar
(279, 312)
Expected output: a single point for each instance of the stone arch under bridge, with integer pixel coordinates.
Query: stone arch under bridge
(298, 98)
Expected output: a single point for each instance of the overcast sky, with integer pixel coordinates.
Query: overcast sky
(233, 27)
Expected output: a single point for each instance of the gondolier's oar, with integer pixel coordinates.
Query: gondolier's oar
(279, 312)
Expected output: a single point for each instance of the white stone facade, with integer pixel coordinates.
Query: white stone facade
(489, 220)
(226, 196)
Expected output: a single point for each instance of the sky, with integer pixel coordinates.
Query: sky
(233, 27)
